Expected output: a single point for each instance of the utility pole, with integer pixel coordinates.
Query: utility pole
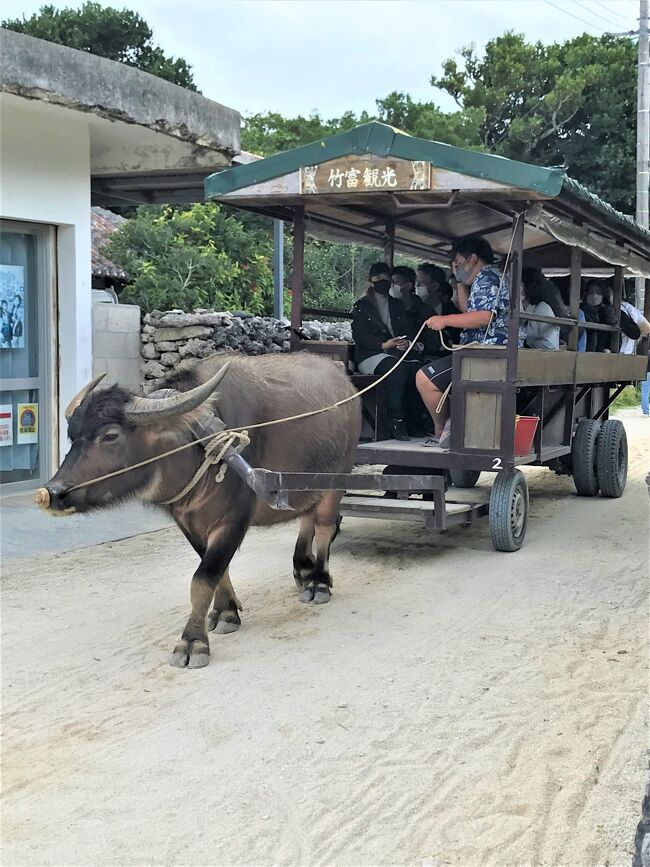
(643, 134)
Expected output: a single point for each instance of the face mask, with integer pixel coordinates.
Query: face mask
(421, 291)
(594, 300)
(463, 274)
(381, 286)
(396, 291)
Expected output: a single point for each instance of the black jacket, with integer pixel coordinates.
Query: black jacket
(419, 313)
(369, 331)
(599, 341)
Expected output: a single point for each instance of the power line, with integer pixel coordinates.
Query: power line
(577, 17)
(597, 14)
(611, 11)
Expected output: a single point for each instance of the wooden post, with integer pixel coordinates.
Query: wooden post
(617, 297)
(516, 257)
(389, 249)
(297, 273)
(574, 296)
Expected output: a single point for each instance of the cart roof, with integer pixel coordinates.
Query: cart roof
(356, 184)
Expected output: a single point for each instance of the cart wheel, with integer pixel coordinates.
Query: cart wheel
(611, 458)
(508, 511)
(583, 457)
(464, 478)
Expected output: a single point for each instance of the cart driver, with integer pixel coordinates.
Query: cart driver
(483, 298)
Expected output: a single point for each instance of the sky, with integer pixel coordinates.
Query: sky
(330, 56)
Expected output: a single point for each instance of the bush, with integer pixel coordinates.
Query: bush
(197, 257)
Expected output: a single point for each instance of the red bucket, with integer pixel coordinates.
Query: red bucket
(525, 427)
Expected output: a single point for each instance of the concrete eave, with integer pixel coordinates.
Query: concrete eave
(38, 70)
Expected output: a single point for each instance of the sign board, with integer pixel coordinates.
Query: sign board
(6, 425)
(364, 174)
(27, 423)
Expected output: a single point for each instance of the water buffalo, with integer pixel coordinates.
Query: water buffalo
(111, 429)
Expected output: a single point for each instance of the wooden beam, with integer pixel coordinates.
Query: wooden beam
(297, 273)
(389, 249)
(574, 295)
(516, 258)
(617, 297)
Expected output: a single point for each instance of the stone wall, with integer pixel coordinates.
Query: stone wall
(173, 336)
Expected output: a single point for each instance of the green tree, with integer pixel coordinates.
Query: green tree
(425, 120)
(269, 133)
(570, 102)
(118, 34)
(198, 257)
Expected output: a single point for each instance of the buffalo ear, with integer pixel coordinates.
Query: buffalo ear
(148, 410)
(81, 396)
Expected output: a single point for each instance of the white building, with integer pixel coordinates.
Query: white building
(76, 129)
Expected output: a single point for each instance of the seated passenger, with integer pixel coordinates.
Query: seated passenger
(484, 298)
(628, 344)
(432, 286)
(382, 330)
(546, 290)
(419, 310)
(539, 335)
(597, 307)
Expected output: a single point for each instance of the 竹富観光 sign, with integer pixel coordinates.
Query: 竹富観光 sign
(362, 175)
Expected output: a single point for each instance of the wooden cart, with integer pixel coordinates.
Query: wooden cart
(375, 185)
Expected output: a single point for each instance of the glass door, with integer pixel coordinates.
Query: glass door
(26, 341)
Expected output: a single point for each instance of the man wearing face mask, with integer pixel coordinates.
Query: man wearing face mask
(428, 285)
(483, 298)
(382, 331)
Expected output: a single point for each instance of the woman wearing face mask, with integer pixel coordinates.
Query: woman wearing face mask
(597, 307)
(382, 331)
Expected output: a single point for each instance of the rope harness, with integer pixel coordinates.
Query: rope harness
(225, 439)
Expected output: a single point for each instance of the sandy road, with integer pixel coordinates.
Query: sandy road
(451, 705)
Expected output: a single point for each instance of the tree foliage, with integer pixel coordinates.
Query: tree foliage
(197, 257)
(118, 34)
(567, 103)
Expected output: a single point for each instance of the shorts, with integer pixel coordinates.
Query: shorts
(439, 372)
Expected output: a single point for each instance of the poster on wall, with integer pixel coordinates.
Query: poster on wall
(12, 306)
(6, 425)
(27, 423)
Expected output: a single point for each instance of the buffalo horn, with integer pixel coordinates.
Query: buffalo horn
(147, 410)
(83, 394)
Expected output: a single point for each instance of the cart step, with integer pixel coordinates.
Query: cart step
(357, 506)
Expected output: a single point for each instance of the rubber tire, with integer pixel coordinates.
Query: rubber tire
(583, 457)
(464, 478)
(508, 491)
(611, 459)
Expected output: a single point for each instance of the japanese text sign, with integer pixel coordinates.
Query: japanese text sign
(363, 175)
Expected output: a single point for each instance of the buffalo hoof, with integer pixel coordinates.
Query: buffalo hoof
(225, 627)
(223, 622)
(315, 593)
(190, 654)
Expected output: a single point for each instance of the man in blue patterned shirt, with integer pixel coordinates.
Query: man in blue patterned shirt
(484, 299)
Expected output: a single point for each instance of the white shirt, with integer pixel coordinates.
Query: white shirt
(627, 344)
(541, 335)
